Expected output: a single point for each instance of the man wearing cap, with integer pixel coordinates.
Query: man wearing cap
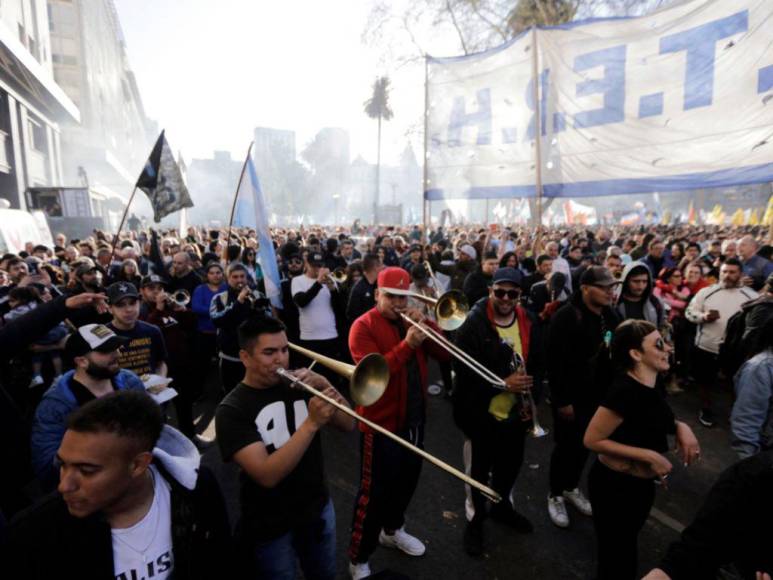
(318, 300)
(414, 257)
(145, 350)
(389, 472)
(94, 351)
(88, 279)
(579, 370)
(457, 271)
(500, 334)
(178, 327)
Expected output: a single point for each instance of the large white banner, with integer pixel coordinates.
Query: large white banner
(680, 99)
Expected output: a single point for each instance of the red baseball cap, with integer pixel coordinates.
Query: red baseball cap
(394, 281)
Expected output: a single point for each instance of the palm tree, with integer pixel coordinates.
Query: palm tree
(377, 107)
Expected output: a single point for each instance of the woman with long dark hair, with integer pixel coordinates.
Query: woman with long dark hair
(629, 432)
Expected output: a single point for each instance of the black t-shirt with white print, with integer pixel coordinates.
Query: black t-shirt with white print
(271, 416)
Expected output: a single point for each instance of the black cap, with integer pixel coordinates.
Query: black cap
(91, 337)
(152, 279)
(508, 275)
(419, 273)
(315, 258)
(416, 248)
(598, 276)
(121, 290)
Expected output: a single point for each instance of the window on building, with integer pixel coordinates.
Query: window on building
(37, 133)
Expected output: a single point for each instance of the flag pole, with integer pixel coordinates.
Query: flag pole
(236, 195)
(123, 220)
(537, 124)
(425, 204)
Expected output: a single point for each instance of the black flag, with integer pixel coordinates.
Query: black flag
(162, 181)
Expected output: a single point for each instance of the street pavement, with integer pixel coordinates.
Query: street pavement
(436, 514)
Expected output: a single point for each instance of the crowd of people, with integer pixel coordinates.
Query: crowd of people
(601, 326)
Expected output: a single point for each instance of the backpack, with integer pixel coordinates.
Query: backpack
(731, 351)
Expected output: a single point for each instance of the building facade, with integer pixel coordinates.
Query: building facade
(110, 144)
(33, 107)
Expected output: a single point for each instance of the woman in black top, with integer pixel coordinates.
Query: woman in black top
(629, 432)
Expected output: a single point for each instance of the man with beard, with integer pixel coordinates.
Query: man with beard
(93, 350)
(17, 271)
(182, 275)
(88, 279)
(579, 371)
(711, 309)
(498, 333)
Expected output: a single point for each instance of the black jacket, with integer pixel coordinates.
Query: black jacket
(45, 541)
(476, 286)
(732, 525)
(227, 313)
(581, 369)
(361, 299)
(479, 338)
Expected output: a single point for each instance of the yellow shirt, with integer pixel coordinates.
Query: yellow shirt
(502, 404)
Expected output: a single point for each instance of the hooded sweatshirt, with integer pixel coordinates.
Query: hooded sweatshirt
(651, 306)
(47, 542)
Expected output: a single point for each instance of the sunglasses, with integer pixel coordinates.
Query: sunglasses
(660, 344)
(511, 294)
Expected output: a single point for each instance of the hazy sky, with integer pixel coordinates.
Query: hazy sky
(210, 71)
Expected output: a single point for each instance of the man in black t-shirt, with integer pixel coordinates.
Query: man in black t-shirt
(270, 430)
(145, 352)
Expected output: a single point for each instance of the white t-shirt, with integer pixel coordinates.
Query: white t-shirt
(316, 319)
(145, 549)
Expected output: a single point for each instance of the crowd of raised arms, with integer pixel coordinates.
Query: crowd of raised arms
(599, 327)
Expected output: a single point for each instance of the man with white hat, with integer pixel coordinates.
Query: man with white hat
(94, 352)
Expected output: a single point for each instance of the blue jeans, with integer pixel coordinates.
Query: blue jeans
(314, 548)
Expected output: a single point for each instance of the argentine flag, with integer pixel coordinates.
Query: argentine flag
(251, 213)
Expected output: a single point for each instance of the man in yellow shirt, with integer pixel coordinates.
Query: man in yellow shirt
(497, 333)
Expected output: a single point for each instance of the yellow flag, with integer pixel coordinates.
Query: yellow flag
(754, 217)
(737, 219)
(768, 219)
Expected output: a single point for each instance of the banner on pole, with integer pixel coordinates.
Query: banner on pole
(679, 99)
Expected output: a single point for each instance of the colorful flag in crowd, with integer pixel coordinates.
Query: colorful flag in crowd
(251, 212)
(162, 181)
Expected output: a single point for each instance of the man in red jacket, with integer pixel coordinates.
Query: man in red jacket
(390, 472)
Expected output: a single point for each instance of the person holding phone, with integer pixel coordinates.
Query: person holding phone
(711, 309)
(629, 432)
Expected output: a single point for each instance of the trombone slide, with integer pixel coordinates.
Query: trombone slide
(485, 490)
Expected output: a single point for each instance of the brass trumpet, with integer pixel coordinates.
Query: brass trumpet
(367, 382)
(179, 297)
(338, 276)
(450, 309)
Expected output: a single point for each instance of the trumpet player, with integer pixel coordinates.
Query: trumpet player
(228, 310)
(178, 327)
(497, 332)
(389, 472)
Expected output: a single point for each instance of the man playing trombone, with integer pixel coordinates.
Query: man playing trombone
(490, 403)
(271, 431)
(390, 473)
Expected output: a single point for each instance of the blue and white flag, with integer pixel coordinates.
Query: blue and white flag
(251, 212)
(675, 100)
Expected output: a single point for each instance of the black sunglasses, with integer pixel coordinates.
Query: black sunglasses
(511, 294)
(660, 345)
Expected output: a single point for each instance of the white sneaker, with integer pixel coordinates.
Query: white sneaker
(403, 541)
(36, 381)
(358, 571)
(557, 511)
(578, 500)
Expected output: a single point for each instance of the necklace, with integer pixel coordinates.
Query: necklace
(141, 551)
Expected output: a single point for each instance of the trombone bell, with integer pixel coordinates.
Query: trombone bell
(451, 310)
(367, 380)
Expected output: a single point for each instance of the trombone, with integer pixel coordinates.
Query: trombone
(179, 297)
(338, 276)
(450, 308)
(367, 382)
